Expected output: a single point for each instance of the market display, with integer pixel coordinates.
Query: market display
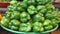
(30, 16)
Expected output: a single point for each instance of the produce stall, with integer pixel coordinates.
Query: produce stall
(30, 17)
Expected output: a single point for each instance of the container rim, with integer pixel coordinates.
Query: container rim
(28, 32)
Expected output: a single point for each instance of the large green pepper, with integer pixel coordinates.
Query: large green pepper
(24, 17)
(37, 26)
(15, 15)
(41, 9)
(31, 10)
(14, 24)
(47, 22)
(38, 17)
(25, 27)
(5, 21)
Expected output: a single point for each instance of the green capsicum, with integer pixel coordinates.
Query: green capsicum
(14, 24)
(38, 17)
(25, 27)
(37, 26)
(24, 17)
(31, 10)
(5, 21)
(47, 22)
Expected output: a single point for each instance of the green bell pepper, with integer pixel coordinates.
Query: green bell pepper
(25, 27)
(41, 9)
(14, 22)
(15, 15)
(38, 17)
(24, 17)
(5, 21)
(47, 22)
(37, 27)
(31, 10)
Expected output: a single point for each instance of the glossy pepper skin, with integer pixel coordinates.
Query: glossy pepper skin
(24, 17)
(25, 27)
(38, 18)
(5, 21)
(14, 24)
(31, 10)
(38, 27)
